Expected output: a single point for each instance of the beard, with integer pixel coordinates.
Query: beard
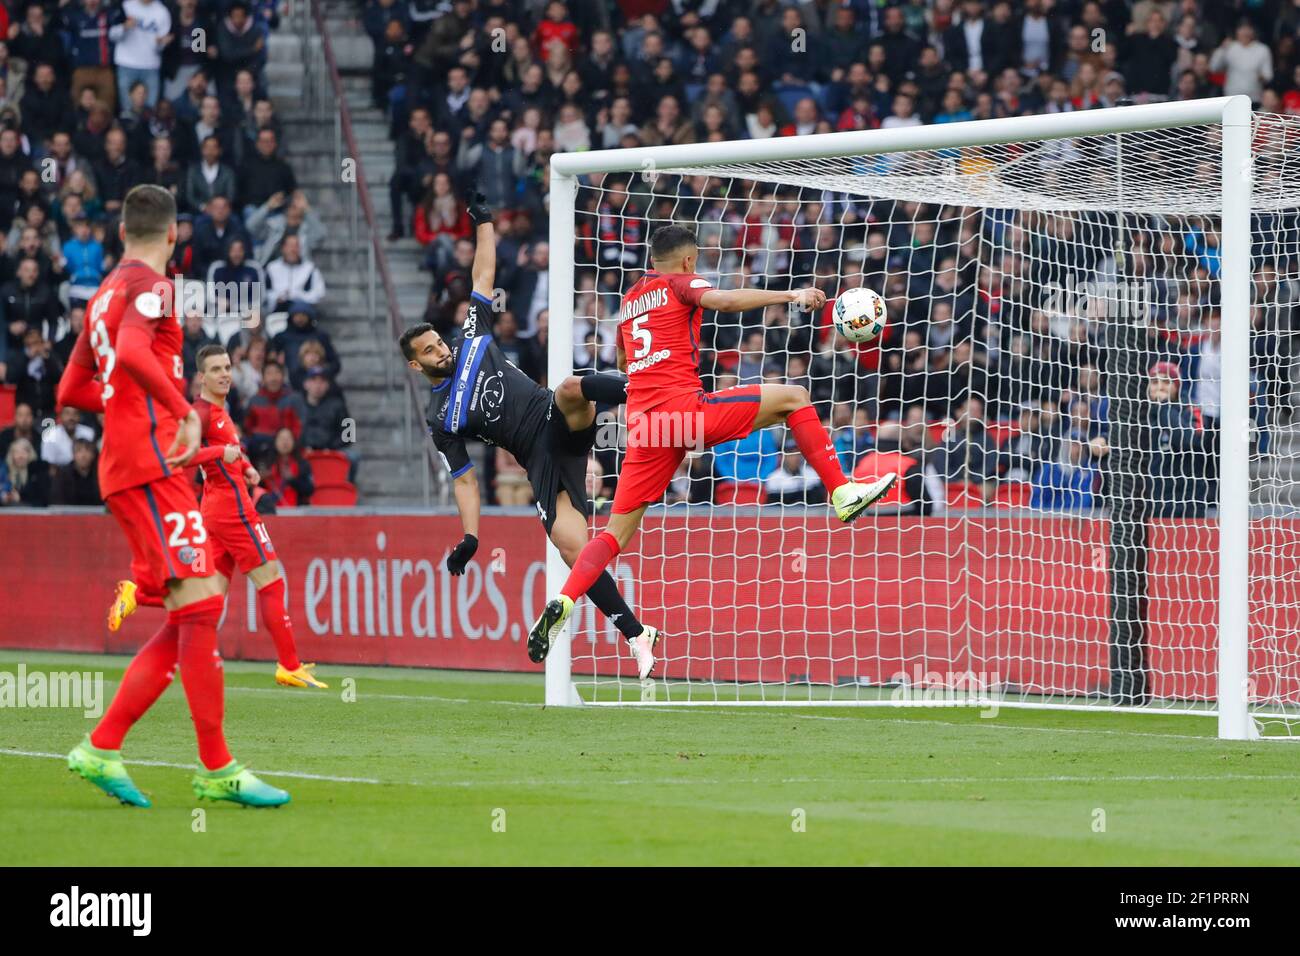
(441, 368)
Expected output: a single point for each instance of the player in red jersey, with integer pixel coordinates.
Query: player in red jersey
(238, 534)
(669, 413)
(132, 342)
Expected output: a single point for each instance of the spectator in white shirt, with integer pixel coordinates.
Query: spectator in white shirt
(57, 439)
(1247, 63)
(903, 115)
(140, 39)
(290, 278)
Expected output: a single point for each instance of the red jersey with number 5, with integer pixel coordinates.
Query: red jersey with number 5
(659, 330)
(137, 430)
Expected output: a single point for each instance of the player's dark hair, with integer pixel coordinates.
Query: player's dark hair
(205, 353)
(669, 239)
(147, 211)
(414, 332)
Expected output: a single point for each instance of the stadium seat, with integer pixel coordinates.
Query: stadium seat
(329, 467)
(739, 493)
(7, 403)
(1013, 495)
(339, 495)
(964, 496)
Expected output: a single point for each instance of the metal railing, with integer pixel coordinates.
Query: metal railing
(323, 96)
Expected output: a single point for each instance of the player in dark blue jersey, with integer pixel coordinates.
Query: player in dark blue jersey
(478, 393)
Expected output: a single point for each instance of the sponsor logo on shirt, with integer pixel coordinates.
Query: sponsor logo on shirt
(649, 360)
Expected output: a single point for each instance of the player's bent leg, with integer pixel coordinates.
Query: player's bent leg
(569, 534)
(568, 529)
(202, 676)
(98, 758)
(793, 405)
(590, 564)
(578, 411)
(290, 671)
(776, 402)
(624, 526)
(219, 776)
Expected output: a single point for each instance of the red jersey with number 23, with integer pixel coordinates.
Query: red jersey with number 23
(137, 429)
(659, 329)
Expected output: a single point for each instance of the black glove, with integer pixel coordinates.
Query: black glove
(479, 213)
(461, 554)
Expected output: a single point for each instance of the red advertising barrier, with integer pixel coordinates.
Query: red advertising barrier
(742, 597)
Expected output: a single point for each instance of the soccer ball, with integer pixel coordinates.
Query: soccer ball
(859, 314)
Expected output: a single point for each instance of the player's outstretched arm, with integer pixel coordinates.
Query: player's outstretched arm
(484, 270)
(743, 300)
(465, 488)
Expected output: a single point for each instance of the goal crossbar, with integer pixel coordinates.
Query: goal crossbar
(1013, 129)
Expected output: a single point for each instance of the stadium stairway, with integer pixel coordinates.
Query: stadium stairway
(388, 475)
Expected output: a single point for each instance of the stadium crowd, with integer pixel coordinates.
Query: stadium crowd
(979, 392)
(95, 98)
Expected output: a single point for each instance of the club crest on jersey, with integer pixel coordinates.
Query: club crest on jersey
(186, 554)
(494, 396)
(149, 304)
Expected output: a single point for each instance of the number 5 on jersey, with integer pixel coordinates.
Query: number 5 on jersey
(642, 336)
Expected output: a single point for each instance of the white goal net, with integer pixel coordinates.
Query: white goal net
(1051, 385)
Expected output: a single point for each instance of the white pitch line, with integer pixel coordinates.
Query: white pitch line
(189, 766)
(678, 781)
(363, 695)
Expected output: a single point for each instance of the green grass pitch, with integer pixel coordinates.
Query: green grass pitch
(434, 767)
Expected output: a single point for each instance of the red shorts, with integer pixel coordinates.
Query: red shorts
(659, 438)
(238, 540)
(166, 532)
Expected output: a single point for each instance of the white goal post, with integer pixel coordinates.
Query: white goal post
(954, 168)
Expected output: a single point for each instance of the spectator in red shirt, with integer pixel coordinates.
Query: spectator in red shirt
(440, 219)
(288, 478)
(274, 407)
(556, 26)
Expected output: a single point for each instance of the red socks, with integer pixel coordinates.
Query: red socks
(591, 563)
(148, 675)
(202, 676)
(270, 601)
(816, 446)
